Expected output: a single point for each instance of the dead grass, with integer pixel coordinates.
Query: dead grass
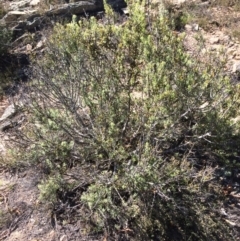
(235, 4)
(219, 14)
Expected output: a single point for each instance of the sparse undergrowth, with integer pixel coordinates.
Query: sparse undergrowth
(130, 130)
(209, 15)
(5, 40)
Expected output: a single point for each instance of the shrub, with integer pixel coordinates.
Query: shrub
(5, 40)
(144, 125)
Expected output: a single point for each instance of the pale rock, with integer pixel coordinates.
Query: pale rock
(223, 212)
(216, 47)
(13, 6)
(14, 16)
(231, 51)
(230, 222)
(237, 55)
(188, 27)
(214, 40)
(225, 39)
(9, 111)
(125, 11)
(203, 3)
(177, 2)
(236, 67)
(29, 47)
(39, 44)
(34, 3)
(231, 44)
(195, 27)
(64, 238)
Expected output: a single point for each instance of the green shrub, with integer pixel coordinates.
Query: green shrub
(145, 124)
(5, 39)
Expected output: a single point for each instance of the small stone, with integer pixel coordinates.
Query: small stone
(231, 44)
(63, 238)
(230, 51)
(195, 27)
(237, 56)
(230, 222)
(29, 47)
(225, 39)
(125, 10)
(188, 27)
(9, 111)
(223, 212)
(39, 44)
(214, 40)
(34, 3)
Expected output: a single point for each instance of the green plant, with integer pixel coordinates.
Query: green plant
(48, 189)
(5, 41)
(147, 125)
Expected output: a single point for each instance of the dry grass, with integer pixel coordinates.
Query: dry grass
(223, 14)
(235, 4)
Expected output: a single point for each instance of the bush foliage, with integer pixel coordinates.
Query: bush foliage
(5, 40)
(138, 125)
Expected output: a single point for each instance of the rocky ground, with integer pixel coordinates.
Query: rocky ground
(21, 215)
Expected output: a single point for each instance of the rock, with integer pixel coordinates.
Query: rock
(83, 6)
(203, 4)
(30, 23)
(176, 2)
(6, 125)
(214, 40)
(223, 212)
(29, 47)
(231, 44)
(125, 11)
(231, 51)
(230, 222)
(195, 27)
(188, 27)
(237, 54)
(236, 67)
(34, 3)
(63, 238)
(225, 39)
(117, 3)
(73, 8)
(39, 44)
(9, 111)
(14, 6)
(216, 47)
(14, 16)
